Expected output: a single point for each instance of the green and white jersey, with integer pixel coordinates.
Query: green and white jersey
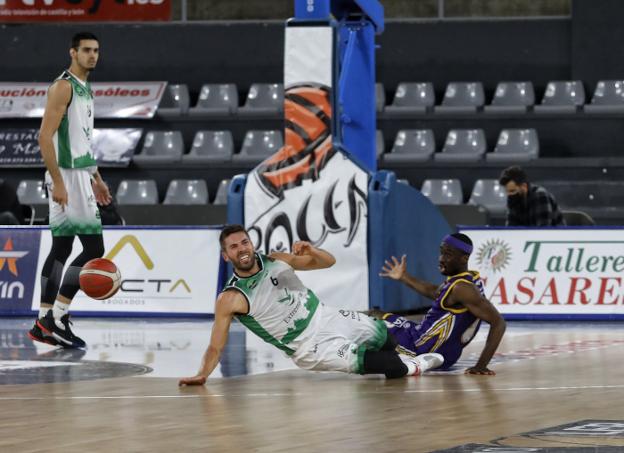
(72, 140)
(281, 308)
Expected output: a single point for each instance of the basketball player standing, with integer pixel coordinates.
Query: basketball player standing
(74, 186)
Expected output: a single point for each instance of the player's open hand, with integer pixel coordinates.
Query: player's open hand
(485, 371)
(394, 269)
(195, 380)
(59, 194)
(101, 192)
(300, 248)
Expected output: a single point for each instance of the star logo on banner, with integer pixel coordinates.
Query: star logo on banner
(10, 257)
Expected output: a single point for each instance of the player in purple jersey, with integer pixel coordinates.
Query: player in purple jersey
(459, 307)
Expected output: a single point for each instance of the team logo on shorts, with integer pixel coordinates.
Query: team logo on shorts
(493, 256)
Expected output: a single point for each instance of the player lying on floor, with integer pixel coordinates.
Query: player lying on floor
(267, 297)
(458, 308)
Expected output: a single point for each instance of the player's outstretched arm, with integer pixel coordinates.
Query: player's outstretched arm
(306, 257)
(397, 270)
(228, 303)
(483, 309)
(59, 96)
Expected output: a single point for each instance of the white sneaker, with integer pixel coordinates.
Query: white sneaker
(417, 365)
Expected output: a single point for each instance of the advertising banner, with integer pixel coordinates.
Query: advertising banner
(551, 273)
(20, 147)
(112, 100)
(157, 277)
(19, 251)
(308, 190)
(112, 147)
(84, 10)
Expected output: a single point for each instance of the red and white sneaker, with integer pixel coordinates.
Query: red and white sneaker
(418, 364)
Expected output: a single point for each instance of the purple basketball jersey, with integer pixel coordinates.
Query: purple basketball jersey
(444, 330)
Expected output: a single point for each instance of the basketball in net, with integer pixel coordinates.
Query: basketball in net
(100, 278)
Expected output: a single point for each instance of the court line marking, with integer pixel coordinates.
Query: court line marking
(275, 394)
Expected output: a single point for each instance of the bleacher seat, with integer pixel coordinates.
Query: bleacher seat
(137, 191)
(608, 97)
(186, 191)
(217, 99)
(175, 100)
(489, 194)
(577, 218)
(562, 97)
(160, 147)
(258, 145)
(512, 97)
(210, 147)
(412, 98)
(463, 145)
(32, 192)
(462, 97)
(380, 144)
(264, 99)
(380, 97)
(515, 145)
(443, 191)
(222, 191)
(412, 145)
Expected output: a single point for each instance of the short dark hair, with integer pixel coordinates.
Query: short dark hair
(515, 174)
(75, 43)
(231, 229)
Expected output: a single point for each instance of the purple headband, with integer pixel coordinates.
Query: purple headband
(458, 244)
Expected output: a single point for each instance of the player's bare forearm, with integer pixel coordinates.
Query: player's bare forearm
(420, 286)
(49, 158)
(322, 258)
(209, 361)
(497, 330)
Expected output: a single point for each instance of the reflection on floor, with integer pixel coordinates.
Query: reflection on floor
(173, 348)
(161, 348)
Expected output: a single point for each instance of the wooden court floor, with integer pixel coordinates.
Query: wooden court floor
(559, 387)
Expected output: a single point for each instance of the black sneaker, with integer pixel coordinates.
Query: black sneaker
(63, 335)
(37, 334)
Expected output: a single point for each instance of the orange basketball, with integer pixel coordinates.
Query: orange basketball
(100, 278)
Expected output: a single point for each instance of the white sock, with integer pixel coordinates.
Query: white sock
(59, 310)
(43, 312)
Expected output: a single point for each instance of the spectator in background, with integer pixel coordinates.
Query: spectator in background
(528, 204)
(11, 212)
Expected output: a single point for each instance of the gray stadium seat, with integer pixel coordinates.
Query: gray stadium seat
(380, 144)
(443, 191)
(489, 194)
(577, 218)
(175, 100)
(512, 97)
(160, 147)
(216, 99)
(258, 145)
(463, 145)
(411, 98)
(412, 145)
(210, 147)
(186, 191)
(462, 97)
(562, 97)
(32, 192)
(608, 97)
(264, 99)
(515, 145)
(137, 191)
(380, 97)
(222, 191)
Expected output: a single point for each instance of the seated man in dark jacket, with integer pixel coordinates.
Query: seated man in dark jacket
(528, 204)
